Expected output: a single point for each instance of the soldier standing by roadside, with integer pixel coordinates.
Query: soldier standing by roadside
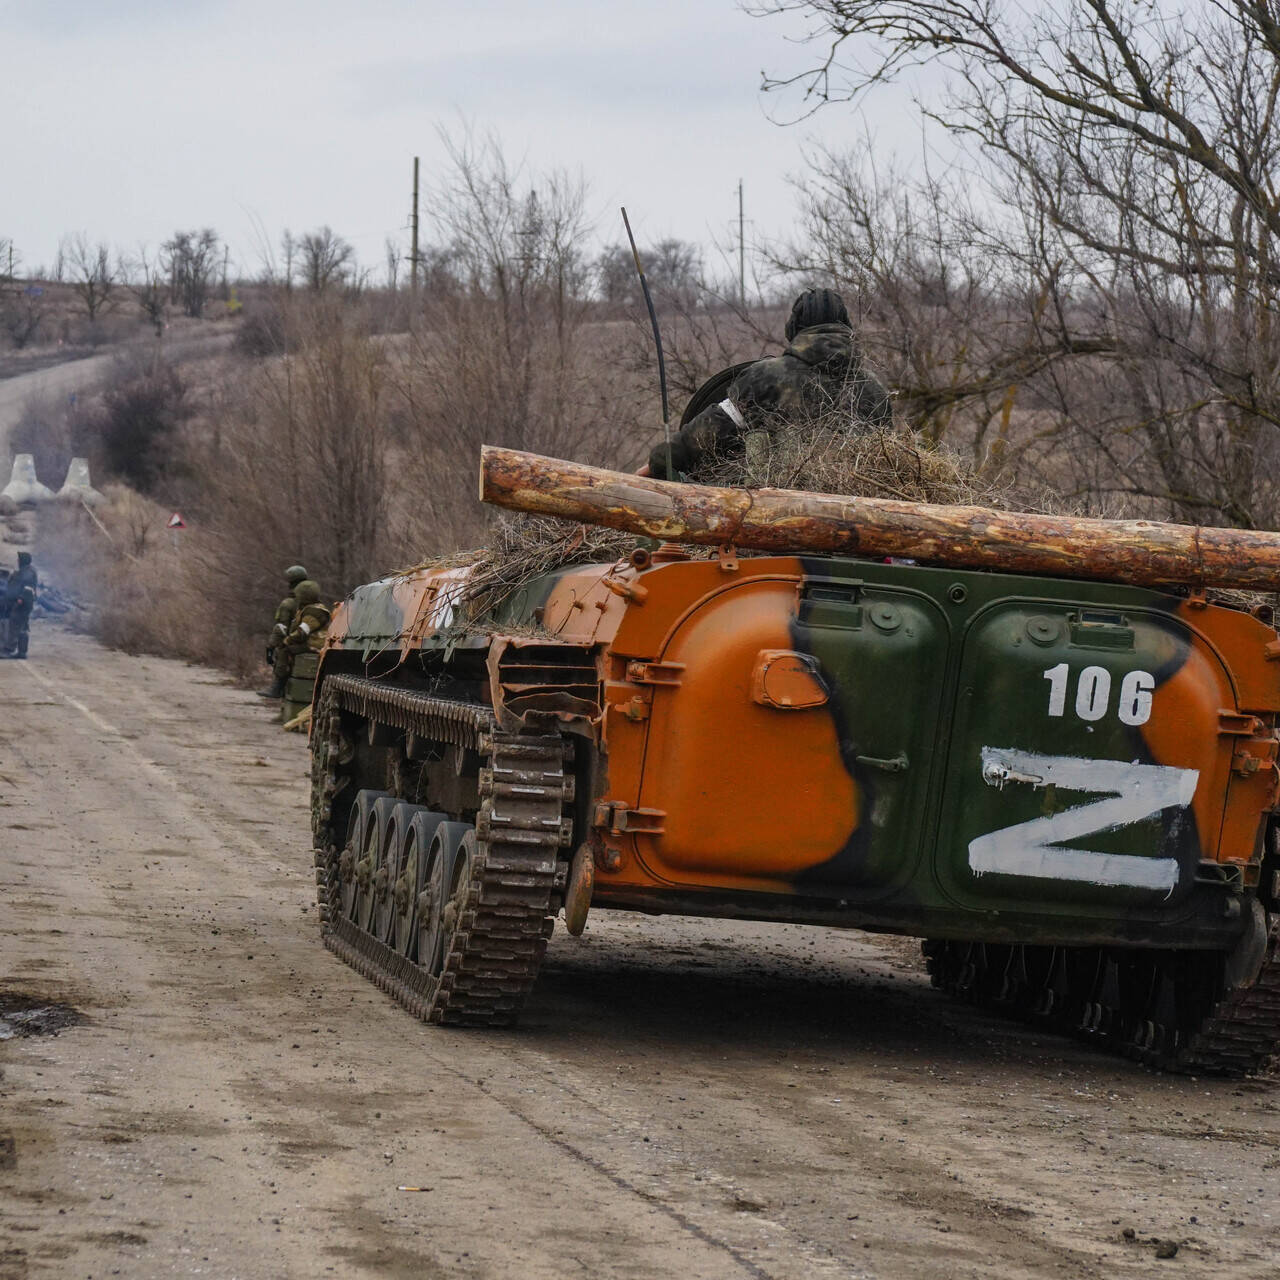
(19, 600)
(281, 622)
(307, 630)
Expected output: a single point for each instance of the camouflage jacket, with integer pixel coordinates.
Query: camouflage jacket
(821, 370)
(282, 619)
(20, 588)
(309, 627)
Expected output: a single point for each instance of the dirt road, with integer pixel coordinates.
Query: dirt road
(683, 1099)
(60, 380)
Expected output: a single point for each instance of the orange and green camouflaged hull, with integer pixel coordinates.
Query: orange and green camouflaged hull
(885, 743)
(1045, 778)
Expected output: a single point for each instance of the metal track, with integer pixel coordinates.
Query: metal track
(522, 834)
(1242, 1033)
(1083, 991)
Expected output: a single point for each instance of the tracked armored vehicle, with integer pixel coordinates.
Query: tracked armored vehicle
(1066, 788)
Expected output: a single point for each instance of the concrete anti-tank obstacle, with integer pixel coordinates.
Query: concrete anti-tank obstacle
(23, 485)
(76, 487)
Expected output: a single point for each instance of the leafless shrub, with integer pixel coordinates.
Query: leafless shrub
(137, 425)
(94, 275)
(325, 259)
(1129, 224)
(190, 260)
(22, 312)
(297, 467)
(264, 326)
(504, 350)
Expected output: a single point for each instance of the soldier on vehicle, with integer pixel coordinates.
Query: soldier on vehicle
(281, 622)
(15, 607)
(307, 630)
(821, 369)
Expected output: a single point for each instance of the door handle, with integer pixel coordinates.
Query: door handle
(897, 764)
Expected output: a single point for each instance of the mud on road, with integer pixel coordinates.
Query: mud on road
(683, 1097)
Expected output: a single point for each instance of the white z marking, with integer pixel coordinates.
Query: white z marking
(1035, 848)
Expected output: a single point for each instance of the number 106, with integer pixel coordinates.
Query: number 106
(1093, 694)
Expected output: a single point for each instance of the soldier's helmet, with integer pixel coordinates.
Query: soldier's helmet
(24, 559)
(814, 307)
(295, 573)
(307, 592)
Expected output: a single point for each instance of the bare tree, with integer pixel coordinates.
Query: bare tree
(1127, 151)
(326, 259)
(148, 281)
(190, 259)
(22, 312)
(505, 352)
(672, 267)
(94, 276)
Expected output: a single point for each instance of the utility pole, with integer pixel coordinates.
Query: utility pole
(742, 251)
(413, 239)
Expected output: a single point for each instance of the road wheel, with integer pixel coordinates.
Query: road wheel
(410, 885)
(448, 880)
(370, 876)
(358, 825)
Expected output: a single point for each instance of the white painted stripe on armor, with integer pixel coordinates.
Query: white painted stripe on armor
(732, 410)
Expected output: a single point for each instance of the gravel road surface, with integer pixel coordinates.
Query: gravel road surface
(223, 1097)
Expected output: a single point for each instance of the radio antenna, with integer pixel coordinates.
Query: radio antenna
(657, 341)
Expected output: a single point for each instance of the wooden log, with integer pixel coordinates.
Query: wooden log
(1141, 552)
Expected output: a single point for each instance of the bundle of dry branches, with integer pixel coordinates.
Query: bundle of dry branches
(524, 547)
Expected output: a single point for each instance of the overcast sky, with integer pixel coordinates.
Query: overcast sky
(130, 118)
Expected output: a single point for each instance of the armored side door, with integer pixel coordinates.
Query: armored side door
(1090, 757)
(792, 736)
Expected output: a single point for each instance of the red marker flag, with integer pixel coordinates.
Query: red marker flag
(176, 521)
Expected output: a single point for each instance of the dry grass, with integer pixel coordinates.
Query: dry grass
(525, 546)
(825, 457)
